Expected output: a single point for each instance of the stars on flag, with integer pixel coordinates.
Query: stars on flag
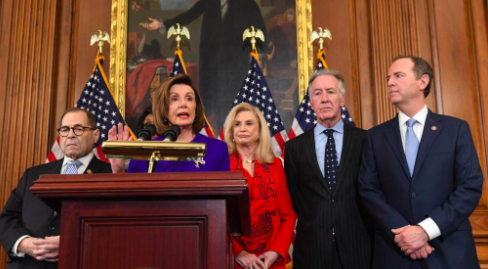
(96, 98)
(254, 87)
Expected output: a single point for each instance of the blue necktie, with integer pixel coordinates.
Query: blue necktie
(411, 145)
(72, 167)
(330, 165)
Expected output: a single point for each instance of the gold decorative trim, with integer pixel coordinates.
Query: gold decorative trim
(304, 47)
(118, 48)
(118, 52)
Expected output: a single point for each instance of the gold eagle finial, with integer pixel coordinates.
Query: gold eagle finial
(100, 38)
(178, 31)
(321, 35)
(253, 34)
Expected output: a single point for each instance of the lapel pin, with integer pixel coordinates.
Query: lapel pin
(89, 171)
(433, 128)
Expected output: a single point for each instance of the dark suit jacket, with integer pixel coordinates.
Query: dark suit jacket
(25, 214)
(224, 58)
(446, 186)
(318, 209)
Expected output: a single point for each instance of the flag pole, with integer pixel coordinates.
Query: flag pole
(181, 31)
(99, 38)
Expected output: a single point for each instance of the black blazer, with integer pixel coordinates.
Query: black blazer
(25, 214)
(319, 209)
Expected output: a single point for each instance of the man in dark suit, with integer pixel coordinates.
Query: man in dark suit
(223, 61)
(420, 179)
(29, 229)
(321, 168)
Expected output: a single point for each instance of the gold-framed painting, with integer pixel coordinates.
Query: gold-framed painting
(141, 58)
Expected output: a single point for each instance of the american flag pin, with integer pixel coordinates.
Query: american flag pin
(433, 128)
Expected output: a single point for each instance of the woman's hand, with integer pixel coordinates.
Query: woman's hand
(269, 258)
(249, 260)
(118, 165)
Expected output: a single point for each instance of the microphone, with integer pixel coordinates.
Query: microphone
(172, 133)
(146, 133)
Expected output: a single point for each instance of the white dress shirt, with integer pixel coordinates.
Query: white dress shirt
(85, 161)
(428, 224)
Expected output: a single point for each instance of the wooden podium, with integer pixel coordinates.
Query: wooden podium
(147, 221)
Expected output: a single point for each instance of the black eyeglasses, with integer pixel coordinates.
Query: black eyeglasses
(77, 130)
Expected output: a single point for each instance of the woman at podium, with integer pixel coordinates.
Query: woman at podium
(176, 102)
(272, 216)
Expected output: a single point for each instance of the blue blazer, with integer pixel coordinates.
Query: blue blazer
(446, 185)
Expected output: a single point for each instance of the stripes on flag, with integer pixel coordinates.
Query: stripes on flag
(96, 98)
(179, 68)
(256, 92)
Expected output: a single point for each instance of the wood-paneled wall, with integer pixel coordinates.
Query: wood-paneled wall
(26, 86)
(46, 60)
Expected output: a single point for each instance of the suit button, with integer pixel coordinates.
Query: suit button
(414, 195)
(51, 228)
(333, 201)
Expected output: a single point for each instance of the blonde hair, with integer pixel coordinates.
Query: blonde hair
(264, 152)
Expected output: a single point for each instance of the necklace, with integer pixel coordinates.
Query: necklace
(248, 161)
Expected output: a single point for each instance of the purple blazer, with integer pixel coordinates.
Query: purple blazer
(216, 159)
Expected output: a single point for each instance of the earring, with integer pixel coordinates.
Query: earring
(165, 121)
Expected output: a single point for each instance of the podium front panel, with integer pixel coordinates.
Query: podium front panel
(144, 234)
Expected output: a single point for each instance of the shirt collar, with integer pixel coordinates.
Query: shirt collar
(421, 116)
(319, 128)
(85, 160)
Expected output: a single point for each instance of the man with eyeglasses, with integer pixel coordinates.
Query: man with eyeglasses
(29, 229)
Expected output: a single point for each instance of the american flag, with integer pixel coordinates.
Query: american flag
(97, 99)
(255, 91)
(305, 118)
(179, 68)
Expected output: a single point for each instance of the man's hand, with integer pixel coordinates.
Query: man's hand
(269, 258)
(249, 260)
(152, 25)
(422, 253)
(41, 249)
(410, 238)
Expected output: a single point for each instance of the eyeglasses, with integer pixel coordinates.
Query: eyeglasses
(77, 130)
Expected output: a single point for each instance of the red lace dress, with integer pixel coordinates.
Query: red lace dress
(272, 215)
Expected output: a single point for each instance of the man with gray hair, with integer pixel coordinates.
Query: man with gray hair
(29, 228)
(321, 168)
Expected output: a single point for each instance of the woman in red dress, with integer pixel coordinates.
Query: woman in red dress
(272, 216)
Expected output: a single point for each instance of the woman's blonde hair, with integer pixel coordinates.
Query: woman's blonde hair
(264, 152)
(160, 103)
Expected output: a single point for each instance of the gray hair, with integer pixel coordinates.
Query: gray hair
(330, 72)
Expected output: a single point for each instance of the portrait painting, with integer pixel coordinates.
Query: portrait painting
(216, 57)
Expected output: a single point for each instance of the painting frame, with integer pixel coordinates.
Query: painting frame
(118, 48)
